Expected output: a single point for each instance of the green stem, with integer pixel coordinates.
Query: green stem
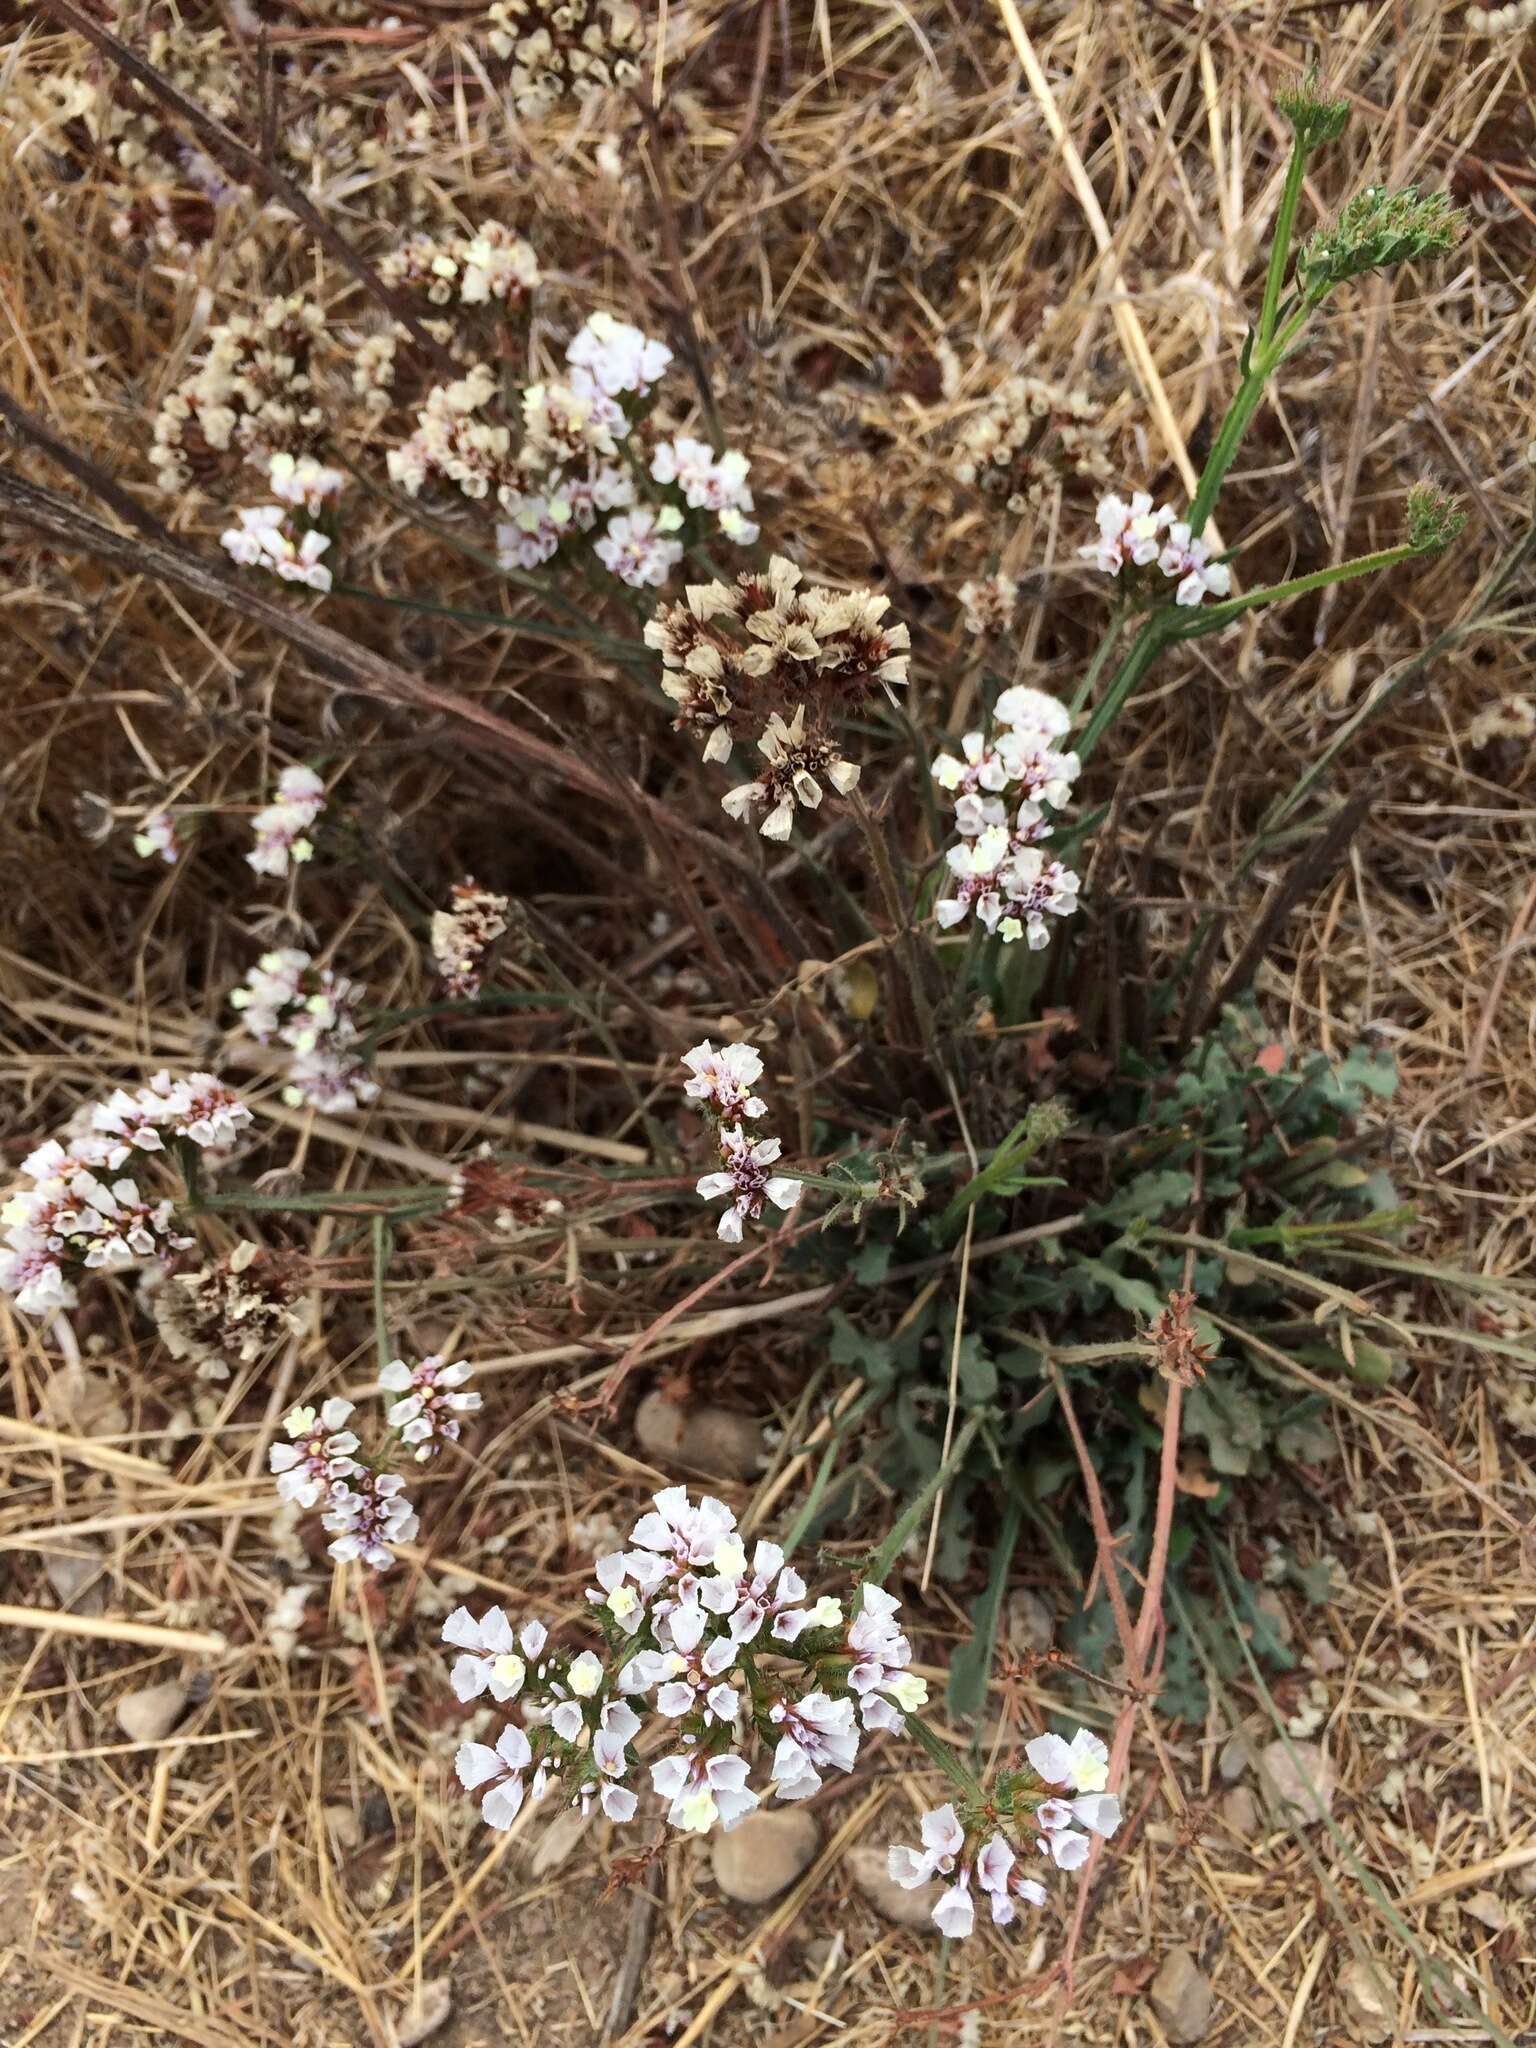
(1101, 654)
(1143, 651)
(372, 1202)
(383, 1243)
(885, 1557)
(895, 910)
(946, 1759)
(1212, 618)
(1280, 247)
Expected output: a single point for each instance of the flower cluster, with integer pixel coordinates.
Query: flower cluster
(83, 1213)
(236, 1308)
(364, 1510)
(252, 394)
(560, 47)
(288, 1001)
(721, 1082)
(997, 866)
(1065, 1784)
(289, 537)
(987, 604)
(696, 1635)
(1132, 535)
(282, 826)
(363, 1504)
(575, 469)
(1031, 435)
(491, 266)
(427, 1414)
(765, 654)
(463, 935)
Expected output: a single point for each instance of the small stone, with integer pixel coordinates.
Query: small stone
(1031, 1625)
(1274, 1610)
(714, 1440)
(151, 1714)
(75, 1576)
(1181, 1997)
(764, 1855)
(558, 1841)
(425, 2013)
(1488, 1908)
(1240, 1813)
(341, 1824)
(81, 1403)
(1367, 2003)
(1297, 1779)
(1233, 1759)
(1525, 1880)
(867, 1867)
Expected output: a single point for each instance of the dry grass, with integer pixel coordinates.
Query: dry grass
(865, 213)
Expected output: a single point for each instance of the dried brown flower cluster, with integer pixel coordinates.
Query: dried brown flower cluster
(560, 47)
(253, 393)
(766, 655)
(464, 933)
(234, 1310)
(1031, 435)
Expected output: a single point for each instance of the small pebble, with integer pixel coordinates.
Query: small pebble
(1297, 1778)
(151, 1714)
(1030, 1623)
(713, 1440)
(425, 2013)
(75, 1576)
(1181, 1997)
(867, 1867)
(1240, 1813)
(764, 1855)
(342, 1826)
(1367, 2003)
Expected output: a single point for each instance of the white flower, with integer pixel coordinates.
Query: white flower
(304, 482)
(281, 828)
(318, 1454)
(1127, 533)
(476, 1765)
(367, 1519)
(616, 356)
(156, 834)
(725, 1079)
(1190, 561)
(707, 484)
(585, 1675)
(745, 1178)
(492, 1664)
(637, 546)
(687, 1534)
(997, 1874)
(1082, 1763)
(703, 1790)
(954, 1915)
(1033, 711)
(820, 1733)
(429, 1414)
(943, 1846)
(886, 1690)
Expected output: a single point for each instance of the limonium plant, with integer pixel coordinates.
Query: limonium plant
(715, 1684)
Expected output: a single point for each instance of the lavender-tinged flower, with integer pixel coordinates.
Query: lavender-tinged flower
(886, 1690)
(1033, 711)
(496, 1660)
(745, 1178)
(156, 836)
(820, 1734)
(987, 604)
(318, 1454)
(1007, 880)
(1190, 561)
(616, 356)
(703, 1790)
(1128, 532)
(265, 539)
(368, 1518)
(638, 546)
(476, 1764)
(428, 1415)
(724, 1079)
(281, 828)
